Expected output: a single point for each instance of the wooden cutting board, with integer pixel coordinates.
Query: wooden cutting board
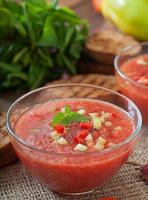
(107, 81)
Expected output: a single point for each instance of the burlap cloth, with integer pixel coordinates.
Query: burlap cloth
(17, 184)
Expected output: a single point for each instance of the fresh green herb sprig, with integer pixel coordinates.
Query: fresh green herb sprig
(35, 37)
(67, 117)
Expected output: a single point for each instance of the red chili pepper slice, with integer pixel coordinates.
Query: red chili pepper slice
(59, 128)
(81, 136)
(83, 133)
(85, 125)
(78, 139)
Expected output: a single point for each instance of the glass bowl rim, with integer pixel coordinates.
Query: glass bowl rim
(26, 144)
(117, 68)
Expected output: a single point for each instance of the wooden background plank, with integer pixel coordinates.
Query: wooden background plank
(85, 10)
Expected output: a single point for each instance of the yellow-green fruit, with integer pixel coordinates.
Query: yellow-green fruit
(130, 16)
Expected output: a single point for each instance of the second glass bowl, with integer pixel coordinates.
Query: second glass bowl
(138, 93)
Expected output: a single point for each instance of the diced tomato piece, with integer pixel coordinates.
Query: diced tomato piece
(78, 139)
(143, 80)
(108, 198)
(85, 125)
(81, 136)
(114, 115)
(116, 134)
(60, 128)
(83, 133)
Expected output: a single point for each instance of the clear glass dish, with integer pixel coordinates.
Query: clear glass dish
(138, 93)
(72, 173)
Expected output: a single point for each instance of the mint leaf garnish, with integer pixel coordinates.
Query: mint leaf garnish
(67, 117)
(67, 109)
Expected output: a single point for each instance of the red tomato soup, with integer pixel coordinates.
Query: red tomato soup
(137, 89)
(73, 139)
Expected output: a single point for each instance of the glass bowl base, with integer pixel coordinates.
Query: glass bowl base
(77, 193)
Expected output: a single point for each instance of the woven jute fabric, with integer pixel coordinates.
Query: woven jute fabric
(16, 183)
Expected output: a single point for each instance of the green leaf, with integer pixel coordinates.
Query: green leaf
(10, 67)
(69, 64)
(5, 17)
(44, 55)
(1, 2)
(49, 36)
(37, 6)
(39, 3)
(67, 109)
(38, 42)
(77, 117)
(67, 39)
(19, 75)
(58, 118)
(21, 29)
(36, 75)
(75, 50)
(54, 3)
(29, 23)
(68, 117)
(14, 7)
(67, 11)
(14, 79)
(26, 59)
(19, 55)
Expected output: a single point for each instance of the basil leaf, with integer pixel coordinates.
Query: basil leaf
(48, 37)
(68, 38)
(10, 67)
(70, 65)
(14, 79)
(5, 17)
(29, 23)
(39, 3)
(21, 29)
(36, 74)
(39, 40)
(43, 53)
(19, 55)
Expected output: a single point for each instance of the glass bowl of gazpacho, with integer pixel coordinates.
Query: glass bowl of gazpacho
(131, 67)
(73, 137)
